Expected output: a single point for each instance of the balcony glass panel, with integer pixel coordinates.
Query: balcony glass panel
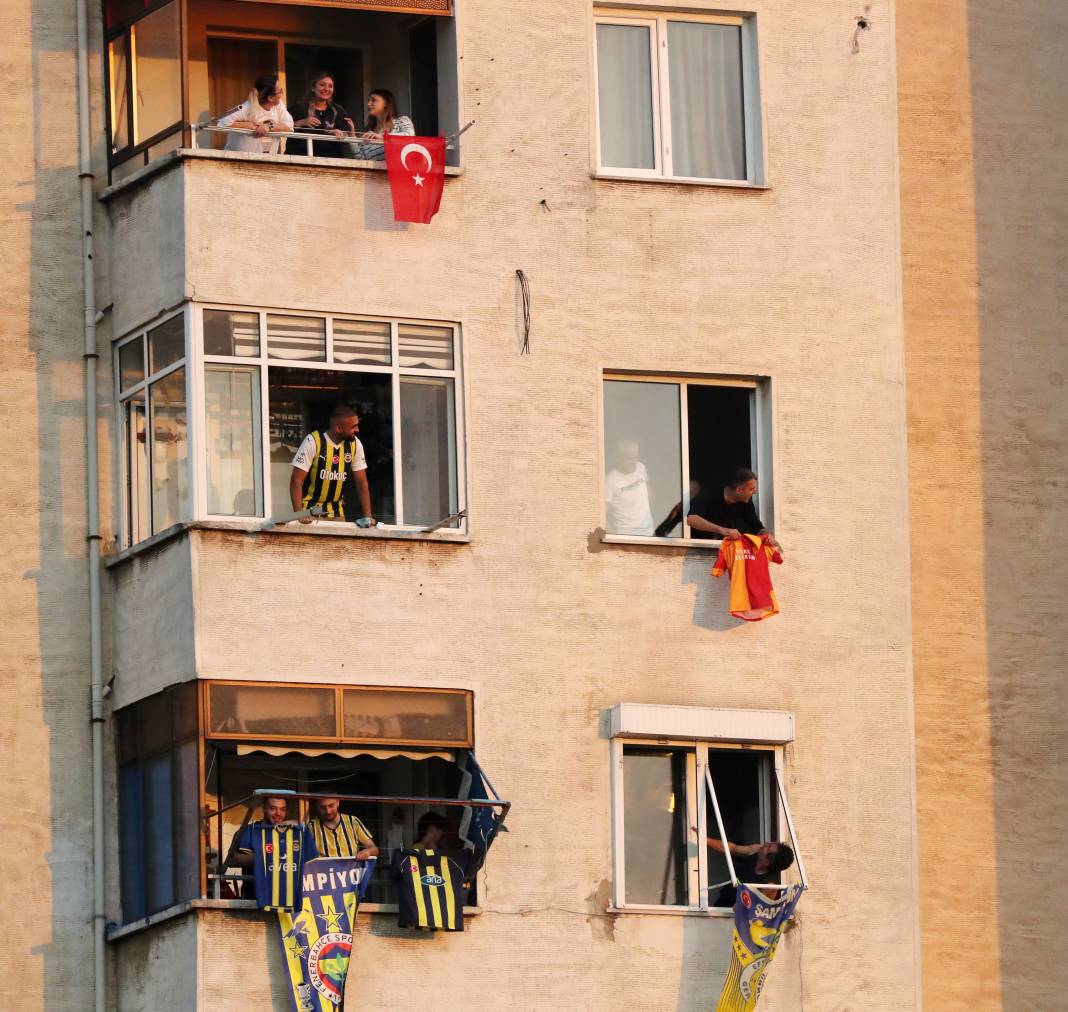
(272, 711)
(236, 335)
(364, 342)
(393, 715)
(299, 338)
(156, 42)
(425, 347)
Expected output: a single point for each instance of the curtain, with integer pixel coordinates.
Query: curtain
(707, 120)
(625, 96)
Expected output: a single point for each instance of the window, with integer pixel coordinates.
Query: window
(667, 438)
(678, 97)
(266, 380)
(666, 788)
(396, 744)
(154, 428)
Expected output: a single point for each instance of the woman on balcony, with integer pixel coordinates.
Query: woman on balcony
(264, 113)
(382, 119)
(320, 114)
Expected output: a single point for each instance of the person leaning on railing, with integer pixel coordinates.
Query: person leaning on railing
(382, 119)
(264, 113)
(319, 113)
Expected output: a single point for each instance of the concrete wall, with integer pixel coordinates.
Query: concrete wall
(157, 969)
(984, 196)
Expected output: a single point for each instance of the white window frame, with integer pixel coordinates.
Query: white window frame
(638, 725)
(195, 361)
(657, 21)
(760, 428)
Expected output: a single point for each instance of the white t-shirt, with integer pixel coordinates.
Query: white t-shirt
(305, 455)
(627, 502)
(278, 117)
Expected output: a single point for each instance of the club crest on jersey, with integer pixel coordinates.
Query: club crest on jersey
(747, 900)
(348, 458)
(433, 880)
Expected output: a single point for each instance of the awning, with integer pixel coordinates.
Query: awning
(438, 7)
(344, 753)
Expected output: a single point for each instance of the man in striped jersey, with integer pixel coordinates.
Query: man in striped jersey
(275, 850)
(339, 835)
(325, 462)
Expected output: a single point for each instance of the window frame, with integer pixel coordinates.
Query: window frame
(697, 799)
(195, 361)
(761, 436)
(657, 19)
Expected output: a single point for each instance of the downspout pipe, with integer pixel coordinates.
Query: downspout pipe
(92, 482)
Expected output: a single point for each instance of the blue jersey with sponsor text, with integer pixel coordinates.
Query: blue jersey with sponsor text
(278, 856)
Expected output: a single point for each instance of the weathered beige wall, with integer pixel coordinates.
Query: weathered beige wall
(982, 89)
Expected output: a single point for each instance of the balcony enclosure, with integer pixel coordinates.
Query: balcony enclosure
(175, 64)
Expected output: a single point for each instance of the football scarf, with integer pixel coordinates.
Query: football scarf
(317, 941)
(758, 926)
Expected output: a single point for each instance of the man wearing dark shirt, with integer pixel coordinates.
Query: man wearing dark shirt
(754, 863)
(728, 512)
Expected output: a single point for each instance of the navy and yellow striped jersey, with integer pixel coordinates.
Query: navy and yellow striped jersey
(346, 840)
(278, 856)
(330, 469)
(430, 890)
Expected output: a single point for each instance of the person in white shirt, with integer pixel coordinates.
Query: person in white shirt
(626, 494)
(382, 119)
(265, 114)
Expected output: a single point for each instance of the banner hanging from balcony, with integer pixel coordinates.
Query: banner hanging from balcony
(317, 940)
(416, 175)
(438, 7)
(758, 926)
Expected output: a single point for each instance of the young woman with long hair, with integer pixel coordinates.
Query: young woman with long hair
(382, 119)
(319, 113)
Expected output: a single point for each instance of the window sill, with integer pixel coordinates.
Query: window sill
(672, 911)
(730, 184)
(626, 539)
(316, 529)
(247, 157)
(117, 932)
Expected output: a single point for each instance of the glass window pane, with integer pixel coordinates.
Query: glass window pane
(166, 343)
(643, 451)
(131, 843)
(297, 337)
(233, 334)
(428, 438)
(424, 347)
(707, 120)
(277, 710)
(654, 826)
(625, 96)
(159, 834)
(362, 341)
(232, 407)
(157, 71)
(136, 436)
(131, 363)
(396, 715)
(300, 402)
(187, 831)
(170, 450)
(118, 11)
(120, 99)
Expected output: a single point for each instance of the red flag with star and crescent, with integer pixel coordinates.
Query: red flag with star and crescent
(416, 175)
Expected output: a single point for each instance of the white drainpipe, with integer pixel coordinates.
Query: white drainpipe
(92, 476)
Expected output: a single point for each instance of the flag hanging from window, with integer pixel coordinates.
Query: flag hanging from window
(416, 175)
(758, 925)
(317, 940)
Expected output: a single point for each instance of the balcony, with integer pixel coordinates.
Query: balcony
(176, 66)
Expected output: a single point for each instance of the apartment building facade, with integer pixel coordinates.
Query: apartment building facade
(705, 209)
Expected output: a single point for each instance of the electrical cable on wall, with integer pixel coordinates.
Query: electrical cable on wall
(523, 312)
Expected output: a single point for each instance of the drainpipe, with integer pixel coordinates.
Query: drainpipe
(92, 474)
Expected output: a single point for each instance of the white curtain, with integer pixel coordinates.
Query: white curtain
(707, 120)
(625, 96)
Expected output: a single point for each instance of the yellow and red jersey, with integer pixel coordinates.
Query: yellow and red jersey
(752, 595)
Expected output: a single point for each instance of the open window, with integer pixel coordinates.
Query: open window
(675, 797)
(193, 758)
(176, 67)
(667, 438)
(265, 381)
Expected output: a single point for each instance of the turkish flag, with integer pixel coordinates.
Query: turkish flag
(416, 175)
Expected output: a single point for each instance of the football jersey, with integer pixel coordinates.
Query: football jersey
(278, 856)
(347, 840)
(324, 484)
(430, 892)
(746, 559)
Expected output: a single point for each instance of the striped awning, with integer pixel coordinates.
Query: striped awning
(343, 753)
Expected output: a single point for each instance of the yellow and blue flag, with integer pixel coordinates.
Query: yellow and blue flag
(317, 940)
(758, 926)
